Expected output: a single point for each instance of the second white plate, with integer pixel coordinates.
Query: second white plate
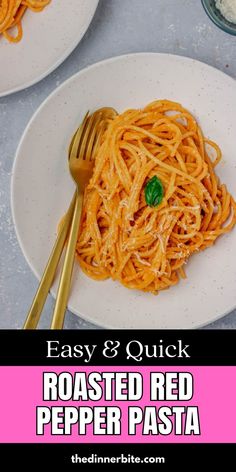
(48, 39)
(42, 187)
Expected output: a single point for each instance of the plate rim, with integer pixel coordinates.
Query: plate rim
(56, 64)
(83, 71)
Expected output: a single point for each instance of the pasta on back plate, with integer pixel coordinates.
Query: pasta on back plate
(11, 14)
(153, 200)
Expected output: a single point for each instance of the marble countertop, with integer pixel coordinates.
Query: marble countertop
(119, 27)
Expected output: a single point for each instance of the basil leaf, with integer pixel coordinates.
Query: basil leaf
(154, 192)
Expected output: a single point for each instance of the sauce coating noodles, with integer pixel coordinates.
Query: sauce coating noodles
(121, 237)
(11, 13)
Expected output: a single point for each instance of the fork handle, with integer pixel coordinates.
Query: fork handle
(35, 311)
(66, 274)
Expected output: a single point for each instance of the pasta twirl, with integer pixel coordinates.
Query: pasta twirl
(146, 247)
(11, 13)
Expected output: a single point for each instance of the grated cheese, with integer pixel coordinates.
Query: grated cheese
(227, 9)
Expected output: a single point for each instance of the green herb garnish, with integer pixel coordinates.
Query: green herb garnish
(154, 192)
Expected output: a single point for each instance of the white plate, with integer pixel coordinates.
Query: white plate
(48, 39)
(42, 188)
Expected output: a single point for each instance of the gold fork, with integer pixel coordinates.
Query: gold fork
(81, 154)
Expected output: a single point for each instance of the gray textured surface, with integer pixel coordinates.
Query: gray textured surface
(119, 27)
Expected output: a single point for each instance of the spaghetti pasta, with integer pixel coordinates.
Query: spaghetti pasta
(122, 237)
(11, 13)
